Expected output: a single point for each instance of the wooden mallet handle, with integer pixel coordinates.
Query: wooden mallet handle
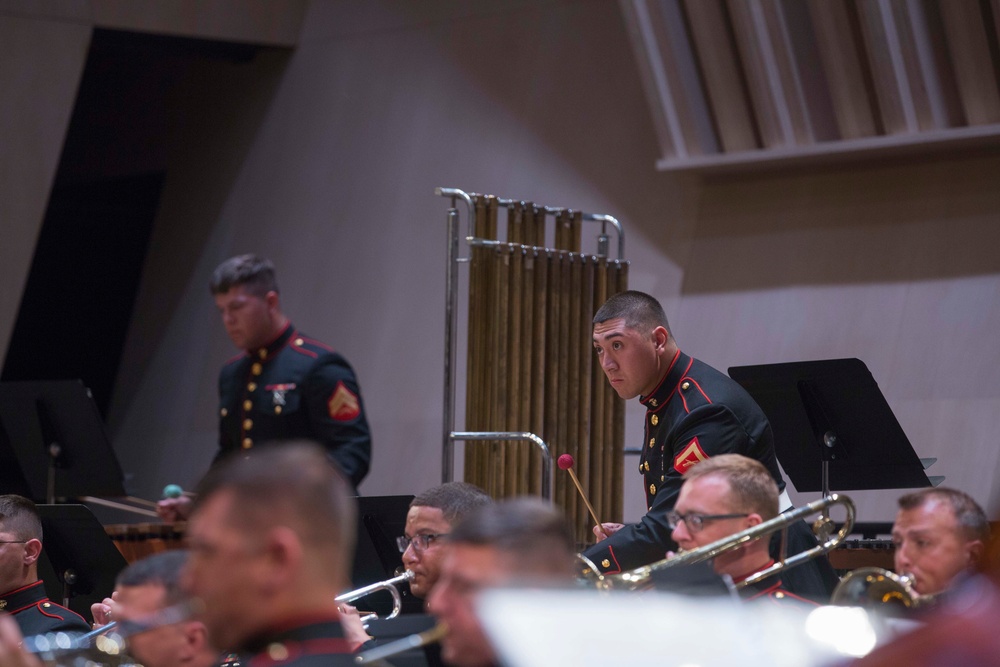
(566, 462)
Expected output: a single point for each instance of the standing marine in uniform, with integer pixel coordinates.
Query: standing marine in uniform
(284, 385)
(693, 412)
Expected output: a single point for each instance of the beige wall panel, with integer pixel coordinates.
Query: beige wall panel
(40, 67)
(328, 165)
(894, 265)
(336, 185)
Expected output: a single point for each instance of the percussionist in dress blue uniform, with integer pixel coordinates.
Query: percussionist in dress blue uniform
(693, 412)
(284, 385)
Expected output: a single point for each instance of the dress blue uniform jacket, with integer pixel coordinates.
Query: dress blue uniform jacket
(694, 413)
(37, 615)
(293, 388)
(305, 642)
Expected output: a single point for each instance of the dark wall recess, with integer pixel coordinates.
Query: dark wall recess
(81, 288)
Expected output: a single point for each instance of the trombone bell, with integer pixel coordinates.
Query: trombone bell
(873, 587)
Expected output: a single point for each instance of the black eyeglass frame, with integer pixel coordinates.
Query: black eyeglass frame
(695, 521)
(403, 542)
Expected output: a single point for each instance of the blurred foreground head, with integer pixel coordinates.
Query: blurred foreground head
(524, 541)
(271, 538)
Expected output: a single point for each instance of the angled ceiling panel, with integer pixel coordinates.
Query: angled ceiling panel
(751, 82)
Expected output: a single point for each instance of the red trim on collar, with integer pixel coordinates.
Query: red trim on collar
(663, 379)
(293, 622)
(663, 402)
(288, 325)
(22, 588)
(766, 565)
(305, 648)
(284, 333)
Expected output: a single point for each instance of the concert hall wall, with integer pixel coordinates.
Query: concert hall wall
(323, 154)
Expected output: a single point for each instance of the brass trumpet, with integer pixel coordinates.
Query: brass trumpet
(640, 577)
(390, 585)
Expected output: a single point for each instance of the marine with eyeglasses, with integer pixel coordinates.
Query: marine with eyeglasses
(725, 495)
(429, 521)
(431, 516)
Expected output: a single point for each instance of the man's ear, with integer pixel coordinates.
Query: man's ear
(283, 551)
(32, 550)
(754, 519)
(975, 550)
(272, 300)
(660, 337)
(195, 639)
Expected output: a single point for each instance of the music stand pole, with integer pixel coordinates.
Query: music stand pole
(50, 487)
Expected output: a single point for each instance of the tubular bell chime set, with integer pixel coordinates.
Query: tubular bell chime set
(534, 389)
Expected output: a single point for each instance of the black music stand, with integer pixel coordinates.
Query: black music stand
(53, 444)
(79, 561)
(833, 429)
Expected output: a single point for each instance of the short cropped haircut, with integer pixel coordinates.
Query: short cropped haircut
(162, 569)
(969, 515)
(528, 528)
(292, 484)
(254, 273)
(454, 499)
(640, 311)
(19, 515)
(751, 487)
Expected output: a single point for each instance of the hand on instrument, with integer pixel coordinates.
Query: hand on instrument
(350, 622)
(103, 612)
(174, 509)
(606, 530)
(12, 653)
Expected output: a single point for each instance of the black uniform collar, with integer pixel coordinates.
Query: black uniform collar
(23, 597)
(668, 385)
(269, 350)
(302, 630)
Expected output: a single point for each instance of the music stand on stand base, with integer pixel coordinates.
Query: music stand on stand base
(835, 404)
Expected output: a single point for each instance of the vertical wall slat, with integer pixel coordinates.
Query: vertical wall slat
(722, 74)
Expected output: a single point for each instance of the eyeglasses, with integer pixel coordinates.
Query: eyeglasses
(695, 522)
(419, 542)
